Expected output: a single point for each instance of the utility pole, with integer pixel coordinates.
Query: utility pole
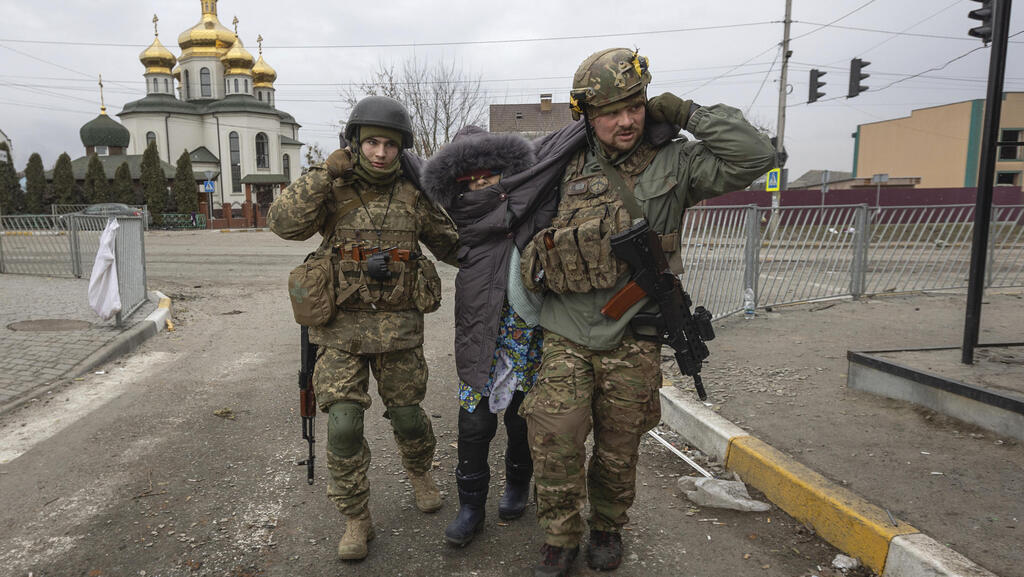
(780, 125)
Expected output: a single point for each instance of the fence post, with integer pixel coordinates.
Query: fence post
(751, 252)
(3, 269)
(76, 257)
(861, 240)
(992, 240)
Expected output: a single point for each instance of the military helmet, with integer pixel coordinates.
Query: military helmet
(380, 111)
(608, 76)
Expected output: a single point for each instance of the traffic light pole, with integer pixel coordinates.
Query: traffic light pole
(983, 206)
(780, 125)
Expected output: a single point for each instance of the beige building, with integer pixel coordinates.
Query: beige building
(942, 145)
(530, 120)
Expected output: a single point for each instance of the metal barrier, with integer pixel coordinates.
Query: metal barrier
(796, 254)
(66, 245)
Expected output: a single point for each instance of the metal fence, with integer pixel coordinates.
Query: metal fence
(796, 254)
(66, 245)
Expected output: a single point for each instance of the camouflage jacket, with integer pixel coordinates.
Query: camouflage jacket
(378, 318)
(666, 180)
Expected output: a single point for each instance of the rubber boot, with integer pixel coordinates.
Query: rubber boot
(517, 490)
(470, 519)
(428, 497)
(358, 532)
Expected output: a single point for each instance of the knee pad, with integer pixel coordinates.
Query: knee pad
(409, 422)
(345, 429)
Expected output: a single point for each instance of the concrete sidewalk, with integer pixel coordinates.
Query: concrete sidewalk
(56, 335)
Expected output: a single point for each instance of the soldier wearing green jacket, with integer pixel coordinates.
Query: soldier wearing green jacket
(372, 218)
(595, 371)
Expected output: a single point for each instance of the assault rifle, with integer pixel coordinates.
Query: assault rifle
(676, 327)
(307, 399)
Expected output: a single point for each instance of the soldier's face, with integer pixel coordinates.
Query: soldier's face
(380, 151)
(620, 130)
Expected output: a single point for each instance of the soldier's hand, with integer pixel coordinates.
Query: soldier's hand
(669, 108)
(339, 162)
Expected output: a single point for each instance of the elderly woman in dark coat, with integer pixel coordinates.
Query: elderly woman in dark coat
(499, 195)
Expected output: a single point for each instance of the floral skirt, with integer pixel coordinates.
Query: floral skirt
(514, 366)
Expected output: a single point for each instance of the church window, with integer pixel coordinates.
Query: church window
(102, 150)
(236, 162)
(260, 94)
(262, 151)
(156, 85)
(150, 137)
(188, 87)
(167, 86)
(236, 86)
(286, 165)
(246, 81)
(204, 82)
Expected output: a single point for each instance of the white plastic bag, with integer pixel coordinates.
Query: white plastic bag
(103, 294)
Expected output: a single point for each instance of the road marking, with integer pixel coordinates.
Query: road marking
(82, 399)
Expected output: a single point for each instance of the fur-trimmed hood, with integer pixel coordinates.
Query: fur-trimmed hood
(473, 148)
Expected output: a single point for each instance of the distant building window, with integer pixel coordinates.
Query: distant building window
(286, 166)
(204, 82)
(236, 162)
(262, 151)
(156, 85)
(102, 150)
(167, 86)
(246, 81)
(260, 95)
(188, 87)
(1002, 178)
(236, 86)
(150, 138)
(1010, 152)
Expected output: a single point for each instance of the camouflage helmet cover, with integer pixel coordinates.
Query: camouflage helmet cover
(608, 76)
(380, 111)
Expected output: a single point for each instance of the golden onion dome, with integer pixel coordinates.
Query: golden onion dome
(157, 59)
(238, 60)
(263, 76)
(207, 38)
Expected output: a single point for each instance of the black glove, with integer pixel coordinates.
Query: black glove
(669, 108)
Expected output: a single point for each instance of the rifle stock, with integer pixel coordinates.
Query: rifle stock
(307, 399)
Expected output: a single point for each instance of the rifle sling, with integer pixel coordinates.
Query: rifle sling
(620, 187)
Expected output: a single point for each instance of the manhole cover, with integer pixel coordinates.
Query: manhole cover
(50, 325)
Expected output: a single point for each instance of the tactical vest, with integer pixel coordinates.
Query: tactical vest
(369, 219)
(575, 252)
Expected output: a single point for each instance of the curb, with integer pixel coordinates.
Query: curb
(264, 229)
(853, 525)
(128, 340)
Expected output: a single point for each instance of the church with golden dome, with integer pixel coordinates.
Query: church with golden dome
(217, 102)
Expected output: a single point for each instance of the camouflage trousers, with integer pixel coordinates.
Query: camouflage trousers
(615, 392)
(401, 382)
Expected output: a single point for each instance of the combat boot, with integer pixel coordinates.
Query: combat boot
(428, 497)
(517, 490)
(604, 551)
(358, 532)
(472, 498)
(555, 561)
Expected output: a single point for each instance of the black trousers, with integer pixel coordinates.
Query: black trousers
(477, 429)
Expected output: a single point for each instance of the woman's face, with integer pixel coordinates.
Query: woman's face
(483, 181)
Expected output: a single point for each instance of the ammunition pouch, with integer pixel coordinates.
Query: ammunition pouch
(426, 292)
(311, 291)
(574, 259)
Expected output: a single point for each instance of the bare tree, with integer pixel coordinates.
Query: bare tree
(440, 98)
(313, 155)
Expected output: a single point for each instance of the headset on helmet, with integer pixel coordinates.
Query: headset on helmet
(608, 76)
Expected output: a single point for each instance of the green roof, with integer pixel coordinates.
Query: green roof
(290, 140)
(110, 165)
(104, 131)
(202, 154)
(264, 179)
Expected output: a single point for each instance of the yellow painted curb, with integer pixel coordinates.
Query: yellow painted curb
(841, 517)
(165, 303)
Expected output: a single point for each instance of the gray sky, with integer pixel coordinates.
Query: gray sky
(708, 51)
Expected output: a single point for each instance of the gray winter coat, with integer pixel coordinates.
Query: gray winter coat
(490, 220)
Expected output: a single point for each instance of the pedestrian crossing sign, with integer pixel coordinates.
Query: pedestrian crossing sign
(208, 186)
(774, 177)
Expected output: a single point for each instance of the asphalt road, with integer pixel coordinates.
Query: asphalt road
(179, 459)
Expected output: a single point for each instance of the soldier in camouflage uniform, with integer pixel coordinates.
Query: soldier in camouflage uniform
(595, 372)
(360, 201)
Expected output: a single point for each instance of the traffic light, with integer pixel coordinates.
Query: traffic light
(856, 76)
(984, 14)
(815, 86)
